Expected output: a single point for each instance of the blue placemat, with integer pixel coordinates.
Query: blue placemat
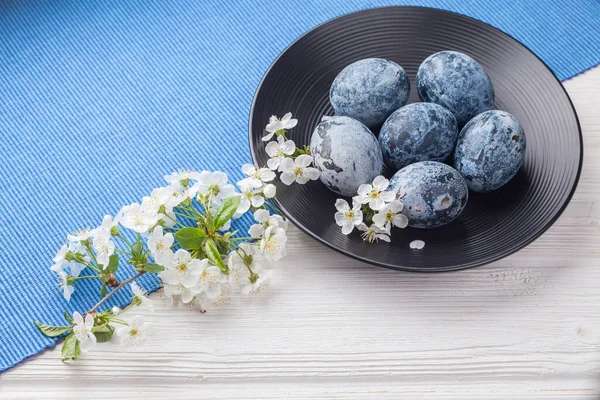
(99, 99)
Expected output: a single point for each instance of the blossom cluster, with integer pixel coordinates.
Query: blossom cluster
(294, 164)
(374, 211)
(181, 232)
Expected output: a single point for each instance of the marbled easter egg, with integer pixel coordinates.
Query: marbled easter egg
(490, 150)
(346, 153)
(418, 132)
(457, 82)
(433, 194)
(369, 90)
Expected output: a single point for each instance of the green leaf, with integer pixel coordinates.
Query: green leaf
(103, 290)
(136, 249)
(51, 330)
(226, 210)
(68, 318)
(113, 263)
(214, 256)
(210, 222)
(104, 333)
(190, 238)
(153, 268)
(70, 349)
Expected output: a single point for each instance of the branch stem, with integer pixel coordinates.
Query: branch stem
(115, 290)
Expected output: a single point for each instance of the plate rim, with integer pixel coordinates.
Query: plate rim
(498, 257)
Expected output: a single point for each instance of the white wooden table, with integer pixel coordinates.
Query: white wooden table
(527, 326)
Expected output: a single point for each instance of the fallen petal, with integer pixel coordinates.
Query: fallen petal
(417, 244)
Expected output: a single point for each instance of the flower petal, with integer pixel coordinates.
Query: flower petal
(287, 178)
(303, 160)
(311, 173)
(342, 205)
(287, 165)
(417, 244)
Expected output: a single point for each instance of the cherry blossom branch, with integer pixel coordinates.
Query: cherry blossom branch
(119, 286)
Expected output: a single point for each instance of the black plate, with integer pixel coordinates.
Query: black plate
(492, 225)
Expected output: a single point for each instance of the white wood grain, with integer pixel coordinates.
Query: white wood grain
(524, 327)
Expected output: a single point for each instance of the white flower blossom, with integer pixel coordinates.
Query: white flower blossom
(59, 259)
(109, 222)
(80, 235)
(160, 246)
(259, 176)
(180, 292)
(347, 217)
(278, 151)
(240, 263)
(258, 285)
(266, 220)
(102, 245)
(273, 243)
(138, 220)
(181, 177)
(373, 233)
(214, 184)
(298, 170)
(391, 214)
(135, 333)
(183, 269)
(211, 280)
(163, 196)
(275, 124)
(82, 328)
(375, 195)
(63, 280)
(251, 196)
(179, 193)
(140, 295)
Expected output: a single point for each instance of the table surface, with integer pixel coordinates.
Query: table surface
(527, 326)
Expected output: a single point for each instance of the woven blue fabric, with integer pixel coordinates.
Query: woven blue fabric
(100, 99)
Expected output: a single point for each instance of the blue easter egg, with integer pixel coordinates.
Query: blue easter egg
(418, 132)
(490, 150)
(369, 90)
(433, 194)
(457, 82)
(346, 153)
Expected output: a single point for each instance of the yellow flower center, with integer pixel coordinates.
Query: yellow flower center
(182, 267)
(273, 246)
(298, 171)
(133, 332)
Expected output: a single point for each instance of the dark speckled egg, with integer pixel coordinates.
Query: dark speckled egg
(369, 90)
(433, 193)
(457, 82)
(346, 153)
(490, 150)
(418, 132)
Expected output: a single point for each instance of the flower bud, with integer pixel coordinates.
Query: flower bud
(269, 191)
(247, 259)
(253, 278)
(114, 231)
(111, 280)
(116, 310)
(70, 256)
